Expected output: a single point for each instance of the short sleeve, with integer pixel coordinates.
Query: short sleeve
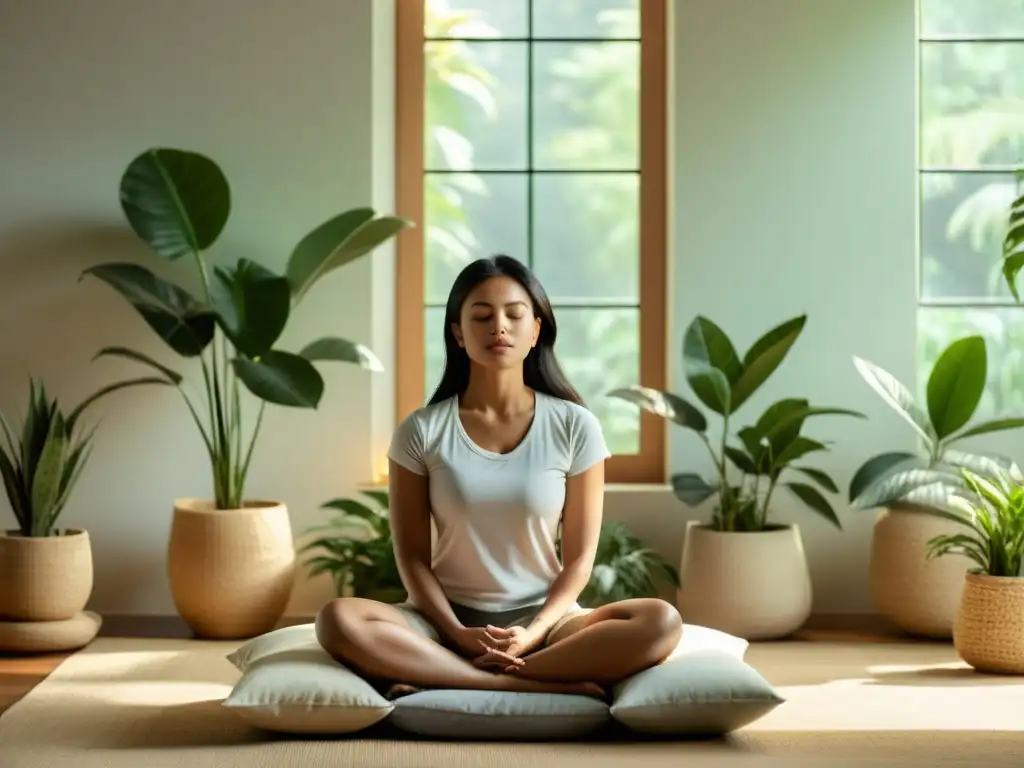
(588, 444)
(407, 445)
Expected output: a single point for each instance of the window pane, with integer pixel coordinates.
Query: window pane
(467, 216)
(586, 104)
(586, 235)
(599, 349)
(1003, 330)
(586, 18)
(963, 223)
(433, 341)
(475, 18)
(981, 18)
(972, 103)
(476, 105)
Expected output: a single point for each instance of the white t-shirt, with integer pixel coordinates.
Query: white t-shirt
(497, 515)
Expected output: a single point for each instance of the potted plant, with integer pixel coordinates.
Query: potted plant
(989, 629)
(918, 594)
(230, 557)
(624, 568)
(740, 572)
(46, 573)
(355, 549)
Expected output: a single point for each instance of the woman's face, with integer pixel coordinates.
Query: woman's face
(497, 327)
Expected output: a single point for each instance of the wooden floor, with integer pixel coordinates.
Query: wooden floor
(20, 674)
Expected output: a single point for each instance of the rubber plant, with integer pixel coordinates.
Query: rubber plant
(40, 464)
(931, 477)
(178, 202)
(766, 453)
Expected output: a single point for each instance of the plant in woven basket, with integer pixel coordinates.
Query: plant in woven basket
(993, 515)
(178, 203)
(42, 462)
(624, 568)
(933, 476)
(763, 452)
(356, 550)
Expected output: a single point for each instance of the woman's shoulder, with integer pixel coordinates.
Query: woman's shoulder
(426, 418)
(569, 416)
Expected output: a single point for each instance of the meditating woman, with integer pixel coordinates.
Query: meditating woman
(502, 456)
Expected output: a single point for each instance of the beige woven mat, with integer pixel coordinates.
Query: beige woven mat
(155, 704)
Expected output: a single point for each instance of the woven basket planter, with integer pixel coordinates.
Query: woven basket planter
(989, 629)
(231, 570)
(753, 585)
(917, 595)
(45, 578)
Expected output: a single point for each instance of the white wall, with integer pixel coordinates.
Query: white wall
(793, 166)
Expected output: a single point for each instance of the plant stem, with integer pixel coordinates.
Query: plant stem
(730, 502)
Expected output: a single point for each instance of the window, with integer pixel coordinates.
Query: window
(538, 129)
(971, 118)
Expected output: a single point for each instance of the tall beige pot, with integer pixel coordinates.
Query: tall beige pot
(917, 595)
(45, 578)
(988, 632)
(753, 585)
(231, 570)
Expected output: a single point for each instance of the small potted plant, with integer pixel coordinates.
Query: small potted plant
(230, 557)
(356, 551)
(988, 632)
(46, 572)
(742, 573)
(624, 569)
(918, 594)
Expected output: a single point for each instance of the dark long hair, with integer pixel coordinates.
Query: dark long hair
(541, 371)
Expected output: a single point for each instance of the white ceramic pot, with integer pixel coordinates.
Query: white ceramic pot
(917, 595)
(753, 585)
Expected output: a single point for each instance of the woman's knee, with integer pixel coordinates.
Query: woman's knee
(660, 624)
(337, 624)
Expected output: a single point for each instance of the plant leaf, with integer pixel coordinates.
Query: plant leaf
(820, 477)
(172, 376)
(878, 466)
(252, 305)
(663, 404)
(1012, 265)
(336, 242)
(381, 497)
(46, 478)
(743, 462)
(182, 322)
(897, 397)
(956, 384)
(711, 364)
(281, 378)
(799, 446)
(177, 201)
(342, 351)
(691, 488)
(812, 497)
(764, 357)
(985, 427)
(922, 487)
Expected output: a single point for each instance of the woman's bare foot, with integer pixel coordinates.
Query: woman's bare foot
(512, 682)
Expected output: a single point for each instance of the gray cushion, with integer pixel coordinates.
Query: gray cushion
(498, 715)
(704, 693)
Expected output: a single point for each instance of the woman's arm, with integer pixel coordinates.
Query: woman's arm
(410, 530)
(581, 529)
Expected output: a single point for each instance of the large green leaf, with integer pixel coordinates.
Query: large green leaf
(1012, 265)
(813, 498)
(897, 397)
(983, 464)
(181, 321)
(281, 378)
(342, 351)
(691, 488)
(338, 241)
(956, 384)
(986, 427)
(764, 357)
(252, 305)
(922, 487)
(799, 446)
(711, 364)
(781, 422)
(820, 477)
(789, 420)
(742, 461)
(664, 404)
(177, 201)
(878, 466)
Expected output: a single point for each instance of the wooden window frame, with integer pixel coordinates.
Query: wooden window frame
(649, 464)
